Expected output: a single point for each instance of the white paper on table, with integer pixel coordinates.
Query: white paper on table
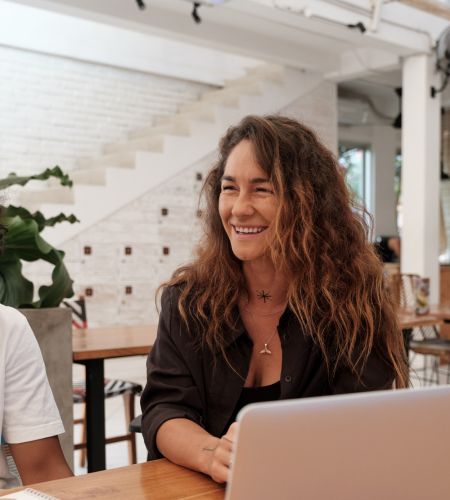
(27, 494)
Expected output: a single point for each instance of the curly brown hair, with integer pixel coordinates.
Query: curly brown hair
(320, 240)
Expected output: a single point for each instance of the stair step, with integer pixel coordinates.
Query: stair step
(123, 159)
(266, 70)
(253, 88)
(152, 143)
(229, 101)
(254, 78)
(206, 114)
(95, 176)
(176, 128)
(35, 197)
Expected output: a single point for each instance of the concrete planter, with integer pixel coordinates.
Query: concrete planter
(53, 330)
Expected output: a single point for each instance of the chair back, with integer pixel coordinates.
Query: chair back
(401, 289)
(79, 315)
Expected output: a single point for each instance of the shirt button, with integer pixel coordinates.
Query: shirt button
(285, 337)
(288, 378)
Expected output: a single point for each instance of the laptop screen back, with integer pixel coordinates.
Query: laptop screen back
(367, 446)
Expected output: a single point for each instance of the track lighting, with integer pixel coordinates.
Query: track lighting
(195, 15)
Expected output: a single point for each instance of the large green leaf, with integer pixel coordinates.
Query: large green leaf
(61, 287)
(15, 289)
(14, 179)
(23, 242)
(23, 239)
(38, 217)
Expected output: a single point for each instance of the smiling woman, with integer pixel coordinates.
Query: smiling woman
(284, 300)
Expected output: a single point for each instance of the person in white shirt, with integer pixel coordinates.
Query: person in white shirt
(29, 419)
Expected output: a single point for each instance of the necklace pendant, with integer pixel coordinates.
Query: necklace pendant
(266, 350)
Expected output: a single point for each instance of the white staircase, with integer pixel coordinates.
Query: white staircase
(150, 156)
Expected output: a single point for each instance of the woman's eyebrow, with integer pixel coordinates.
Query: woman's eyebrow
(259, 180)
(255, 180)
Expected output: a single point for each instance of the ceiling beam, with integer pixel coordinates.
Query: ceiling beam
(430, 6)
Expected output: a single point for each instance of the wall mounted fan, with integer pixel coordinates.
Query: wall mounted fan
(442, 60)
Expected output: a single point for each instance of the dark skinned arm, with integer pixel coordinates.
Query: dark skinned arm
(40, 460)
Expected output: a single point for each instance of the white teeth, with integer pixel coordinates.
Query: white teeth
(247, 230)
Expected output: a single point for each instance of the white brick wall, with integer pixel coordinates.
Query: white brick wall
(55, 111)
(141, 226)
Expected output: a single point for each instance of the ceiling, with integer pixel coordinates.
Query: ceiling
(305, 34)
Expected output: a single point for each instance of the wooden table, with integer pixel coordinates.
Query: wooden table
(409, 319)
(91, 346)
(157, 480)
(443, 313)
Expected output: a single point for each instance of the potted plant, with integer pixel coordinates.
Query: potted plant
(50, 323)
(23, 242)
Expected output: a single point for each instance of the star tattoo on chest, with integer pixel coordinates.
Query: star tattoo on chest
(263, 295)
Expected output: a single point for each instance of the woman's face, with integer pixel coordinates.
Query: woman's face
(247, 203)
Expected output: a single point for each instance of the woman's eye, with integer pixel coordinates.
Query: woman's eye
(227, 188)
(263, 190)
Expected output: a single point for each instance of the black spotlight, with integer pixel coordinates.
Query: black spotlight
(141, 4)
(398, 120)
(195, 16)
(359, 26)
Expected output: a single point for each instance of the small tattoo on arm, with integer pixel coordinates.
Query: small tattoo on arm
(263, 295)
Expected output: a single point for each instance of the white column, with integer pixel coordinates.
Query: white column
(385, 143)
(420, 171)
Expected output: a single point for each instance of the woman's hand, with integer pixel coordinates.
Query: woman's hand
(221, 458)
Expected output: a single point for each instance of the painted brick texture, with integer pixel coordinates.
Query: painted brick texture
(56, 111)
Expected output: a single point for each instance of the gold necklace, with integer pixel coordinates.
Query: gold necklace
(265, 349)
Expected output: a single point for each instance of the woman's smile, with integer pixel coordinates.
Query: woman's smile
(247, 231)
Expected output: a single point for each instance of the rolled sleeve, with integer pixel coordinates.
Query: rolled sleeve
(171, 390)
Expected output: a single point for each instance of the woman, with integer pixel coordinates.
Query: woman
(284, 300)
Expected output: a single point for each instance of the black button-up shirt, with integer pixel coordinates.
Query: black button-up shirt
(186, 380)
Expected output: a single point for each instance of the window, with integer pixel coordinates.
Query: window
(356, 160)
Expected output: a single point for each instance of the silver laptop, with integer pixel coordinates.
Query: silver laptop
(387, 445)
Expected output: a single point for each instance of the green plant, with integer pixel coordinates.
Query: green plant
(23, 242)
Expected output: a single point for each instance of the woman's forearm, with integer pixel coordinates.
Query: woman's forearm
(186, 443)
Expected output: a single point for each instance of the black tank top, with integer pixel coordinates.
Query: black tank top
(255, 395)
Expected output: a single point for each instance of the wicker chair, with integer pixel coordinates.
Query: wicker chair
(424, 341)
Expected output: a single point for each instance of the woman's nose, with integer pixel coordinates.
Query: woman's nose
(242, 205)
